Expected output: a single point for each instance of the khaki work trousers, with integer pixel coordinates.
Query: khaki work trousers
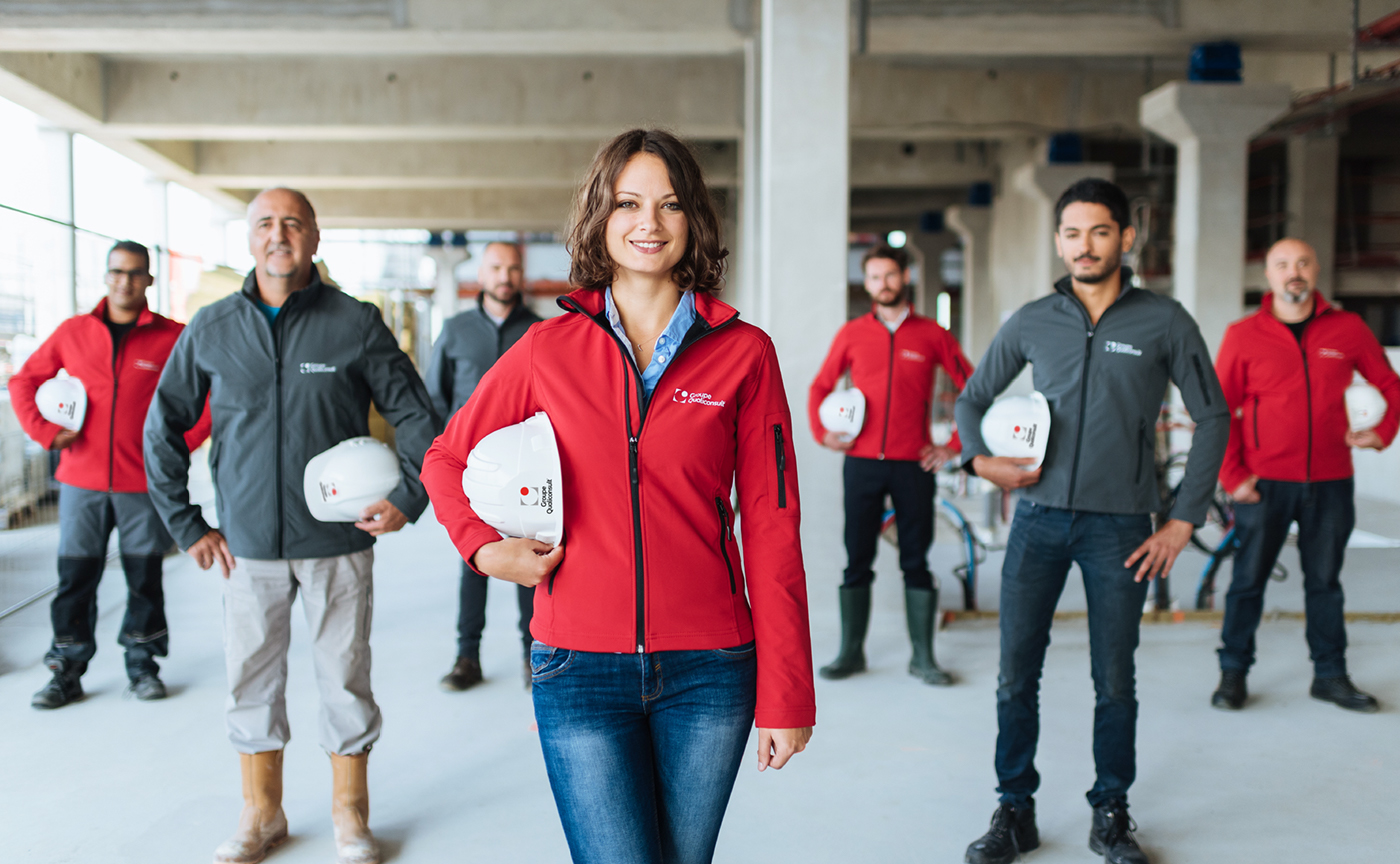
(338, 596)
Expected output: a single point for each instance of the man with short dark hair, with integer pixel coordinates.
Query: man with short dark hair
(290, 366)
(471, 343)
(1102, 353)
(117, 352)
(1295, 356)
(892, 356)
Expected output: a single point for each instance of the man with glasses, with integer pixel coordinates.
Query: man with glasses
(117, 351)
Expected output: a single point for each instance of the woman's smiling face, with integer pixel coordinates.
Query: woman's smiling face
(647, 232)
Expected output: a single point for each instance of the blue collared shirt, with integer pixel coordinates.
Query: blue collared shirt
(667, 344)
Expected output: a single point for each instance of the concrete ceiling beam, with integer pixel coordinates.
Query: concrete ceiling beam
(421, 165)
(893, 164)
(413, 98)
(514, 209)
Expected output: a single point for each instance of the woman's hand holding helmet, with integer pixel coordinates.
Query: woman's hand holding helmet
(515, 559)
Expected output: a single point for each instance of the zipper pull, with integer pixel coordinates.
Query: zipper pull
(641, 649)
(632, 449)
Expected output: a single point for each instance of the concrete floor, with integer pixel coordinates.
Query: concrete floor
(897, 772)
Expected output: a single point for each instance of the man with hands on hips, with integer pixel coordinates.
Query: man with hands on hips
(1295, 356)
(1103, 353)
(290, 366)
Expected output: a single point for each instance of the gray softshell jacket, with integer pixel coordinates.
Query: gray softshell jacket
(1105, 385)
(280, 394)
(470, 344)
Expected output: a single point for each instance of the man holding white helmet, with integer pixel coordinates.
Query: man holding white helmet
(1103, 353)
(290, 366)
(883, 426)
(114, 355)
(471, 342)
(1297, 356)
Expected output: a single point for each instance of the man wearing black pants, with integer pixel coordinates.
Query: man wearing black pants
(1286, 369)
(892, 356)
(470, 344)
(1102, 353)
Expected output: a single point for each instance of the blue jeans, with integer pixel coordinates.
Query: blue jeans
(642, 749)
(1044, 542)
(1325, 513)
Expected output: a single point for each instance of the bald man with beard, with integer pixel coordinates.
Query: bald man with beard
(1285, 370)
(290, 366)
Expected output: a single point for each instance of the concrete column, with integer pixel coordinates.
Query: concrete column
(927, 248)
(1043, 185)
(1312, 199)
(804, 197)
(973, 225)
(445, 290)
(1211, 125)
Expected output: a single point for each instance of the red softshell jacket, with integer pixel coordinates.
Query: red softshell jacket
(106, 456)
(651, 562)
(1288, 418)
(895, 372)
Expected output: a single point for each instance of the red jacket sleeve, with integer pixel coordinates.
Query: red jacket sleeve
(959, 369)
(201, 429)
(42, 365)
(832, 369)
(1230, 368)
(504, 397)
(1375, 367)
(770, 515)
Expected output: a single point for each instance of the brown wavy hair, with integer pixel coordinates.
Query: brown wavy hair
(700, 269)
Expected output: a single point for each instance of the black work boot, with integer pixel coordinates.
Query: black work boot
(1231, 693)
(1111, 835)
(147, 687)
(466, 673)
(921, 610)
(63, 688)
(1340, 691)
(1013, 831)
(855, 621)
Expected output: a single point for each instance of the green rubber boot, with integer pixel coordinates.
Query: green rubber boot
(855, 621)
(921, 608)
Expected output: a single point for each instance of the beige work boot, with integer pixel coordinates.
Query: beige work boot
(350, 810)
(263, 824)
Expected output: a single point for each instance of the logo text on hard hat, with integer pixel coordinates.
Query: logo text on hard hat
(328, 490)
(538, 496)
(1025, 433)
(686, 397)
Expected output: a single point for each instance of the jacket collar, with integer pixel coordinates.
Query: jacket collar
(519, 310)
(589, 301)
(1065, 285)
(305, 296)
(100, 313)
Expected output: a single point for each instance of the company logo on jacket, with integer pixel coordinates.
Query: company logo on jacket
(1331, 354)
(538, 496)
(1121, 348)
(315, 368)
(912, 355)
(686, 397)
(147, 365)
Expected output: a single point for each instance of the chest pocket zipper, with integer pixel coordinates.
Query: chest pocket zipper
(726, 533)
(781, 453)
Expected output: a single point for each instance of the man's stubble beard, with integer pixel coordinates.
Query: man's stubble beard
(899, 299)
(1111, 265)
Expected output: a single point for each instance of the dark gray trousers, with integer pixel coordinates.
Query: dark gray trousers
(85, 523)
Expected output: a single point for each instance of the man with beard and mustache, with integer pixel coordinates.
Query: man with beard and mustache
(1295, 356)
(290, 366)
(892, 356)
(1103, 353)
(470, 344)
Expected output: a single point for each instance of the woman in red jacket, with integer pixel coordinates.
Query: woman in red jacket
(655, 649)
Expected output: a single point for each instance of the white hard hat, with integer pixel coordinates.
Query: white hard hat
(1018, 426)
(350, 476)
(843, 412)
(1365, 407)
(62, 401)
(513, 481)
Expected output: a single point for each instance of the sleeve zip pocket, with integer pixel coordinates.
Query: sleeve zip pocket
(1201, 376)
(780, 452)
(726, 533)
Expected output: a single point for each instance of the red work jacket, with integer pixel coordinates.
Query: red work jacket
(651, 562)
(1287, 408)
(895, 372)
(106, 456)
